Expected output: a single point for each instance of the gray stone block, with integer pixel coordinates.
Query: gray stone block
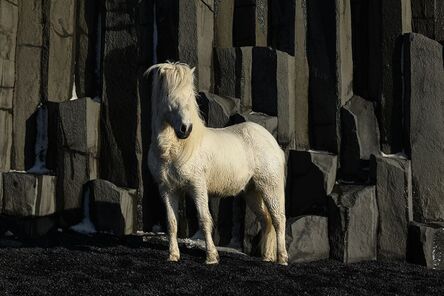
(28, 84)
(388, 20)
(426, 245)
(394, 199)
(113, 208)
(359, 138)
(61, 50)
(424, 86)
(307, 239)
(74, 170)
(28, 195)
(352, 223)
(232, 70)
(223, 23)
(86, 47)
(8, 36)
(331, 69)
(286, 104)
(5, 140)
(217, 110)
(301, 113)
(250, 24)
(428, 18)
(79, 124)
(311, 176)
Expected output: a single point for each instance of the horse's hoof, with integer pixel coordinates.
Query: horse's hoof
(267, 259)
(283, 263)
(173, 258)
(211, 261)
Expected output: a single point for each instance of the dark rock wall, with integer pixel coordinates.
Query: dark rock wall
(336, 82)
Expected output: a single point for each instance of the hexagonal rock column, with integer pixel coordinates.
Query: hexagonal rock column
(28, 195)
(223, 23)
(28, 82)
(60, 55)
(113, 208)
(250, 24)
(426, 244)
(394, 199)
(307, 239)
(428, 18)
(186, 31)
(330, 62)
(359, 139)
(388, 20)
(8, 36)
(311, 176)
(217, 110)
(352, 223)
(78, 148)
(424, 86)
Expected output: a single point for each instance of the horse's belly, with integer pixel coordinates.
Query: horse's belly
(228, 175)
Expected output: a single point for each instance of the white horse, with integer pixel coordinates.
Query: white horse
(185, 157)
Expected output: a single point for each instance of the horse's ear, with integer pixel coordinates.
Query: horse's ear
(192, 70)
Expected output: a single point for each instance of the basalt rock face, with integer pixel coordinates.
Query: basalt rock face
(351, 95)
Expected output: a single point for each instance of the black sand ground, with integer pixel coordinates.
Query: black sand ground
(73, 265)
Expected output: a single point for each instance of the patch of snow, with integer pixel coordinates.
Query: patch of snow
(320, 152)
(86, 226)
(74, 92)
(8, 233)
(401, 155)
(41, 143)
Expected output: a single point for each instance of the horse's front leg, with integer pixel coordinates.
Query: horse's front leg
(171, 200)
(200, 197)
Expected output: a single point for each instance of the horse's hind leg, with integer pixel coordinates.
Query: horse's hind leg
(274, 198)
(256, 204)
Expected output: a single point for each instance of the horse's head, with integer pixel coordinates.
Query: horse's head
(174, 97)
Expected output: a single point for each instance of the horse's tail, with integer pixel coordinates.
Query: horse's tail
(268, 242)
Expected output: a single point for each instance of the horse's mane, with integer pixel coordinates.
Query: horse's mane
(177, 80)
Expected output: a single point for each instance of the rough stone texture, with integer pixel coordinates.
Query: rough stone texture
(286, 104)
(85, 48)
(120, 139)
(426, 244)
(232, 68)
(270, 123)
(61, 51)
(79, 126)
(302, 139)
(74, 170)
(8, 36)
(250, 24)
(5, 140)
(307, 239)
(223, 23)
(29, 195)
(359, 138)
(27, 91)
(217, 110)
(352, 223)
(311, 176)
(195, 38)
(331, 69)
(424, 86)
(113, 208)
(428, 18)
(394, 199)
(264, 80)
(387, 21)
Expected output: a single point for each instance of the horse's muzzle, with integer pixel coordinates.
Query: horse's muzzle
(184, 132)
